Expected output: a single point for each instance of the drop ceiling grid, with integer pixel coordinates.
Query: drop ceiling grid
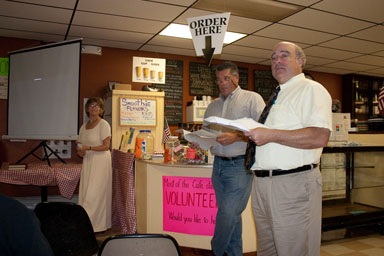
(130, 24)
(118, 22)
(35, 12)
(368, 10)
(32, 25)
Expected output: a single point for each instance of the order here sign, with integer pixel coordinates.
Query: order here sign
(214, 26)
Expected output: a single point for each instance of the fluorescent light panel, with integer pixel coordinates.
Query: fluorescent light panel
(182, 31)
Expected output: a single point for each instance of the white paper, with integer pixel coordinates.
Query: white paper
(204, 138)
(243, 124)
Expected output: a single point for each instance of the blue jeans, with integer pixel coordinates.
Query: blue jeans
(232, 186)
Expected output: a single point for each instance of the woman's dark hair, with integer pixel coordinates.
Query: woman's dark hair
(98, 101)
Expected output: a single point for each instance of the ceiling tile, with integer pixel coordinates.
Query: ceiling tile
(246, 51)
(133, 8)
(375, 34)
(326, 22)
(96, 33)
(169, 50)
(329, 53)
(190, 13)
(174, 41)
(330, 70)
(230, 57)
(350, 66)
(262, 42)
(35, 12)
(176, 2)
(33, 26)
(113, 44)
(369, 59)
(245, 25)
(379, 53)
(300, 2)
(58, 3)
(355, 45)
(316, 61)
(370, 10)
(255, 9)
(375, 72)
(289, 33)
(31, 35)
(118, 22)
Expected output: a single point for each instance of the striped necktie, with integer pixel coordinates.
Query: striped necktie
(251, 146)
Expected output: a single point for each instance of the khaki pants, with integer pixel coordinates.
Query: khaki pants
(287, 212)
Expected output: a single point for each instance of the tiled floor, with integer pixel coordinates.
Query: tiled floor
(370, 245)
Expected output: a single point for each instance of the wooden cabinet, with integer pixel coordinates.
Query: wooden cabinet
(360, 96)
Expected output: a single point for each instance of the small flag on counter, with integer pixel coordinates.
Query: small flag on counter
(166, 131)
(381, 100)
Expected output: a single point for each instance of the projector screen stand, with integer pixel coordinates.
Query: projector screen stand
(46, 156)
(43, 144)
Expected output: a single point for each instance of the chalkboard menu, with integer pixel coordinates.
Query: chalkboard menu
(202, 79)
(243, 78)
(264, 83)
(173, 88)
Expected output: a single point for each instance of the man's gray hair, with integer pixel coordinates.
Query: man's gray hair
(228, 65)
(300, 54)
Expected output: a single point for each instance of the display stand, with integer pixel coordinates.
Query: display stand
(118, 114)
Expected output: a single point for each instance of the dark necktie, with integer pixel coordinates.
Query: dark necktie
(251, 146)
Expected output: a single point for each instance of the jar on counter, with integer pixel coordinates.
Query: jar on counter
(144, 145)
(173, 151)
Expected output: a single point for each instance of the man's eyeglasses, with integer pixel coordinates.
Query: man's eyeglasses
(225, 79)
(94, 106)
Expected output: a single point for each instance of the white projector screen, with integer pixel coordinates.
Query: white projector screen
(43, 92)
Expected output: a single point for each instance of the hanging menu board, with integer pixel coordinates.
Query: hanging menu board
(202, 79)
(173, 88)
(265, 84)
(243, 78)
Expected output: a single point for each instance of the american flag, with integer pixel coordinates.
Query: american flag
(166, 131)
(381, 100)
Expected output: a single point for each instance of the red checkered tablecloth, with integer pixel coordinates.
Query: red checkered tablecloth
(123, 195)
(65, 176)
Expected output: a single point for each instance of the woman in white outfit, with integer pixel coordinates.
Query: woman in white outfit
(95, 192)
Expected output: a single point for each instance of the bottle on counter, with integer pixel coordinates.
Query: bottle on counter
(144, 145)
(173, 151)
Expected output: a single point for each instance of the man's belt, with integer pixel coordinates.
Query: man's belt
(231, 158)
(268, 173)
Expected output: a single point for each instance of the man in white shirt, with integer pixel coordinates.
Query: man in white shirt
(286, 193)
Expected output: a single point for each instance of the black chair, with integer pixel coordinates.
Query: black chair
(67, 228)
(140, 244)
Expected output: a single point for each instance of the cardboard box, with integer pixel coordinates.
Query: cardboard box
(123, 87)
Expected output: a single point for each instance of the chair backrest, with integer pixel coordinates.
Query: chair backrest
(140, 244)
(67, 228)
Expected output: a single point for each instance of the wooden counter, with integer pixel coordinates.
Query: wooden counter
(149, 203)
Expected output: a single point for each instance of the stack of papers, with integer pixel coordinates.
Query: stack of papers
(243, 124)
(207, 139)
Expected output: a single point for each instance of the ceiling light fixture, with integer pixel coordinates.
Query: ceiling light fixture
(182, 31)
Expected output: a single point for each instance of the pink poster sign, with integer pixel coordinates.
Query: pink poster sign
(189, 205)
